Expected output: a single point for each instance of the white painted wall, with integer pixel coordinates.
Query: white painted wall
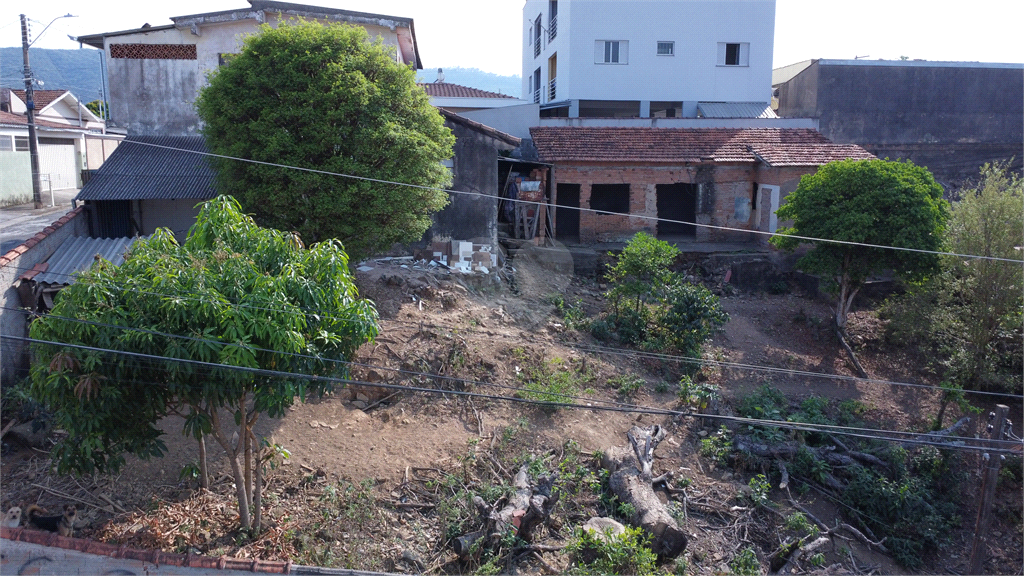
(691, 74)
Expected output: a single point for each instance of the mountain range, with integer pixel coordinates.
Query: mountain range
(79, 72)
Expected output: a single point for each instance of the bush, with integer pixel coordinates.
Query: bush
(626, 553)
(689, 316)
(640, 271)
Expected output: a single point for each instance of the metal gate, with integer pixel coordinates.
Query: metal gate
(58, 164)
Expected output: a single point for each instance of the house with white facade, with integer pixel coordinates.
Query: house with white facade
(70, 138)
(656, 58)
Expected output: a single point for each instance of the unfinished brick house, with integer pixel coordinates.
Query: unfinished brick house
(705, 179)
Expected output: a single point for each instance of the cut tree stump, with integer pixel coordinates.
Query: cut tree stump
(631, 481)
(528, 508)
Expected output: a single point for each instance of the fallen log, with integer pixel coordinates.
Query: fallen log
(631, 481)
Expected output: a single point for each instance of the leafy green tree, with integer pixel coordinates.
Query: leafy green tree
(641, 271)
(868, 202)
(323, 97)
(234, 294)
(99, 108)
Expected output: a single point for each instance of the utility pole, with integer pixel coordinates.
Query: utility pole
(989, 478)
(30, 104)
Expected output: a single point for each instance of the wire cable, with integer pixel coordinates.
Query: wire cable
(635, 216)
(916, 439)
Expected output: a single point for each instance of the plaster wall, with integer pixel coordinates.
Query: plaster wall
(15, 178)
(177, 215)
(157, 96)
(692, 73)
(513, 120)
(12, 265)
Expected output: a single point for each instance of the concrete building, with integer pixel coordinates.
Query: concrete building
(156, 71)
(951, 117)
(651, 59)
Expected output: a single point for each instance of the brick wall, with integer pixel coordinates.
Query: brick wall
(725, 197)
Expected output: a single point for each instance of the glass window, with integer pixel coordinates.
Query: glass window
(666, 48)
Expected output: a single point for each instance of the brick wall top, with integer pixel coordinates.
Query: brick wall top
(20, 249)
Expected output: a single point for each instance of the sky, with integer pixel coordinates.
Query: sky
(486, 34)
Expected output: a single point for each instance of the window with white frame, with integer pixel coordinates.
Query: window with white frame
(611, 52)
(6, 143)
(666, 48)
(734, 53)
(21, 143)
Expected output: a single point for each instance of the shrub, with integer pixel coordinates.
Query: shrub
(745, 563)
(640, 271)
(626, 553)
(690, 314)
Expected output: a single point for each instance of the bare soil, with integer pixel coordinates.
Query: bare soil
(378, 454)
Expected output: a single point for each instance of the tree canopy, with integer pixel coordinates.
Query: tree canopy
(324, 97)
(233, 294)
(875, 202)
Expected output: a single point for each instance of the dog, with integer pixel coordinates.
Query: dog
(63, 524)
(13, 517)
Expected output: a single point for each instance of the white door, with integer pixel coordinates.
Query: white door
(57, 163)
(772, 192)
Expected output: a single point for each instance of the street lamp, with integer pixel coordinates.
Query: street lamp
(30, 105)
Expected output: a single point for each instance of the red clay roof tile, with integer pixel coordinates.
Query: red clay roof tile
(773, 146)
(447, 90)
(43, 98)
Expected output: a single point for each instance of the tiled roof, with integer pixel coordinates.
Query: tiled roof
(482, 128)
(775, 146)
(735, 110)
(77, 254)
(146, 168)
(446, 90)
(10, 118)
(43, 97)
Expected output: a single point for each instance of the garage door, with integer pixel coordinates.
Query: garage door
(57, 163)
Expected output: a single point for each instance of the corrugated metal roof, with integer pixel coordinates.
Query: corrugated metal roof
(735, 110)
(153, 167)
(78, 253)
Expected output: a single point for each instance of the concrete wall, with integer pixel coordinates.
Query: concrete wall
(12, 265)
(514, 120)
(691, 74)
(476, 170)
(949, 116)
(98, 149)
(720, 187)
(157, 96)
(15, 178)
(178, 215)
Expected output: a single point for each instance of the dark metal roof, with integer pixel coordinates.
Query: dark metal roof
(78, 253)
(153, 167)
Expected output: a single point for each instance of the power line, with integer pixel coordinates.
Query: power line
(636, 216)
(586, 348)
(806, 427)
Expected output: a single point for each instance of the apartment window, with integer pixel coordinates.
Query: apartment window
(733, 53)
(449, 164)
(552, 19)
(21, 143)
(6, 144)
(610, 198)
(536, 39)
(666, 48)
(611, 52)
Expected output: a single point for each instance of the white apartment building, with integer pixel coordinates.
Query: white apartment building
(648, 58)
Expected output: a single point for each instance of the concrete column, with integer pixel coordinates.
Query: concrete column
(574, 108)
(645, 108)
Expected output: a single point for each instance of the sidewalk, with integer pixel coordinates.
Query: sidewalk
(18, 223)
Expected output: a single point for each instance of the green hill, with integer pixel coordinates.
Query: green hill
(74, 70)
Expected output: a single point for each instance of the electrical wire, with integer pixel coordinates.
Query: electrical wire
(580, 209)
(916, 439)
(582, 347)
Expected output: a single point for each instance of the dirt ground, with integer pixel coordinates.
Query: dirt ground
(479, 330)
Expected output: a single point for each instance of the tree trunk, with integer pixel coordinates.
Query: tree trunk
(630, 480)
(236, 471)
(204, 470)
(257, 490)
(246, 437)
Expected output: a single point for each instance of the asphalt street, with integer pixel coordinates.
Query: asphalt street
(21, 222)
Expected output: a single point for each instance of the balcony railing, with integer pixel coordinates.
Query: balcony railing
(552, 90)
(536, 46)
(536, 96)
(553, 28)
